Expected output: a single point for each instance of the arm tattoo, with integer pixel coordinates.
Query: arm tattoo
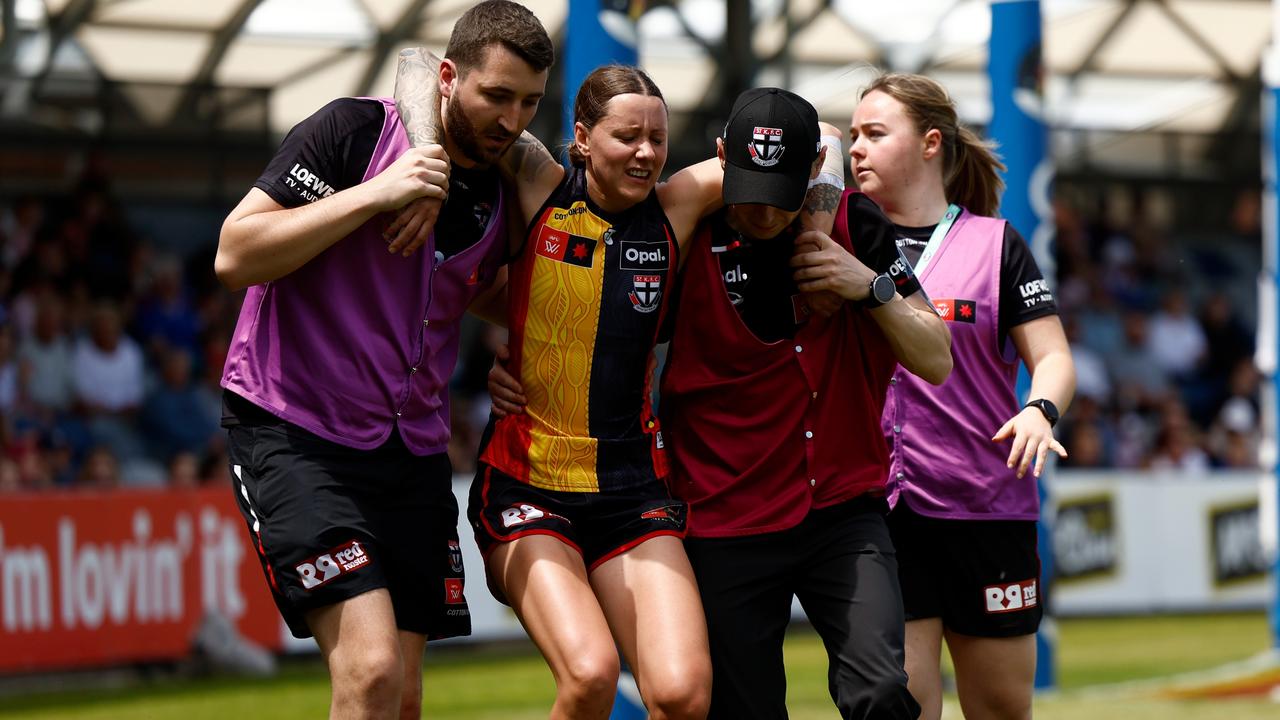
(822, 198)
(526, 159)
(418, 95)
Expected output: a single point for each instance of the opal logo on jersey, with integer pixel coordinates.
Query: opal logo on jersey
(766, 146)
(643, 256)
(322, 568)
(1011, 597)
(648, 290)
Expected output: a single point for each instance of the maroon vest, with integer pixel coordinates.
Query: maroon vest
(761, 433)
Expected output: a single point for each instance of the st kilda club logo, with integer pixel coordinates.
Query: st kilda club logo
(766, 146)
(647, 292)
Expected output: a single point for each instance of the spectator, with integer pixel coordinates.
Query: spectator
(175, 417)
(101, 471)
(19, 228)
(1092, 378)
(1175, 340)
(46, 358)
(166, 318)
(1139, 381)
(108, 375)
(1228, 340)
(184, 471)
(10, 476)
(1177, 445)
(9, 387)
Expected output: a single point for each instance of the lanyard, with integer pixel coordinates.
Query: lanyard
(935, 240)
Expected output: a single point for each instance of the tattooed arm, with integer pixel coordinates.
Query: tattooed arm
(418, 96)
(819, 211)
(529, 167)
(825, 190)
(418, 103)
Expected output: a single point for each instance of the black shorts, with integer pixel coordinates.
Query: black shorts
(600, 526)
(981, 577)
(330, 522)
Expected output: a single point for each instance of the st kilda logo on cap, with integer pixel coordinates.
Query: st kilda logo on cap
(766, 146)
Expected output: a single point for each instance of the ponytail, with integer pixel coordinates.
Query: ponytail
(974, 178)
(970, 168)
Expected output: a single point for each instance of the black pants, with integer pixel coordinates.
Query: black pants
(840, 563)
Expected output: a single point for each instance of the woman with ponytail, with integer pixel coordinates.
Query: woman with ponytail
(964, 501)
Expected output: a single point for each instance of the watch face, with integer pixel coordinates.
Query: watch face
(882, 288)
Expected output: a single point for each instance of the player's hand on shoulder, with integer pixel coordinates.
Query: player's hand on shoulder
(820, 263)
(420, 172)
(1032, 441)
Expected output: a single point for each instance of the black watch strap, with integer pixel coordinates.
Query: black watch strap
(1047, 408)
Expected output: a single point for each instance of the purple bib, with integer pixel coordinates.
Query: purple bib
(358, 341)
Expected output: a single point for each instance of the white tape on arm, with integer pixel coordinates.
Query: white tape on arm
(832, 172)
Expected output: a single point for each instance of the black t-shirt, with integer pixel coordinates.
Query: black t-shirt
(758, 275)
(1018, 270)
(330, 152)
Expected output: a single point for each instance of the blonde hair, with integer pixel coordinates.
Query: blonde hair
(970, 166)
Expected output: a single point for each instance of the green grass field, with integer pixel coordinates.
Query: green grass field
(513, 684)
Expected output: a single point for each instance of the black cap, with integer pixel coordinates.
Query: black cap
(770, 143)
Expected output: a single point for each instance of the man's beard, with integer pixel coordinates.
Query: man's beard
(464, 135)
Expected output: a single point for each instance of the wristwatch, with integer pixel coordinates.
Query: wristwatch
(1049, 410)
(882, 290)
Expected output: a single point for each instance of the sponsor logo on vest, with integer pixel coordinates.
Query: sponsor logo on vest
(453, 592)
(1011, 597)
(648, 290)
(766, 146)
(643, 256)
(344, 558)
(315, 187)
(964, 311)
(734, 275)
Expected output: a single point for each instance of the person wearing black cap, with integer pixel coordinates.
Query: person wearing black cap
(772, 414)
(731, 387)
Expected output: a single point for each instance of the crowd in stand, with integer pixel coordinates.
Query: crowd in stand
(111, 349)
(1166, 378)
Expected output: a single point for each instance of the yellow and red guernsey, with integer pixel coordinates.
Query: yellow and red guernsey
(587, 296)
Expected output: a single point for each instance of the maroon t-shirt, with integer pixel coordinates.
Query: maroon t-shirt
(760, 433)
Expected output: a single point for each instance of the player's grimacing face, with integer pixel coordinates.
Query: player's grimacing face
(886, 149)
(492, 103)
(626, 150)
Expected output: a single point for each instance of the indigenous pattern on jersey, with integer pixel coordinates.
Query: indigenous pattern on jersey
(587, 295)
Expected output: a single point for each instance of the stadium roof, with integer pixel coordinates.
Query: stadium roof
(1124, 76)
